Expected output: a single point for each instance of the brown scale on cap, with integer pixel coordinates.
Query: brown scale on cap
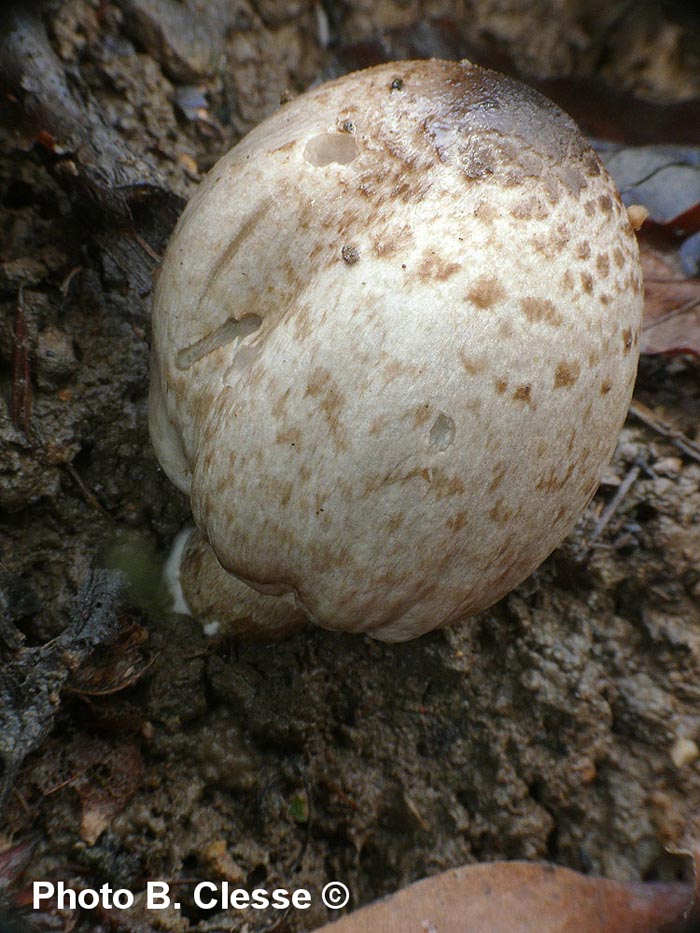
(395, 335)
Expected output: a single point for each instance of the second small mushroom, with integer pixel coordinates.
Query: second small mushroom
(395, 338)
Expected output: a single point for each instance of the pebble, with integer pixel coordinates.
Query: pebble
(668, 466)
(684, 752)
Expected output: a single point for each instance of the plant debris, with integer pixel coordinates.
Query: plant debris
(562, 724)
(672, 303)
(521, 897)
(31, 682)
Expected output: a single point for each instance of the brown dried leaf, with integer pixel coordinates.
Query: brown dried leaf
(522, 897)
(672, 304)
(115, 667)
(13, 860)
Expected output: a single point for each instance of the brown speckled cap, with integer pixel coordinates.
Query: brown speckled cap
(395, 337)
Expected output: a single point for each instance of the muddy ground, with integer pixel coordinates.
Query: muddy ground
(562, 724)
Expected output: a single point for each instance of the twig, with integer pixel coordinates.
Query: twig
(647, 416)
(146, 247)
(66, 284)
(90, 496)
(667, 280)
(21, 402)
(21, 801)
(688, 306)
(614, 504)
(71, 780)
(637, 183)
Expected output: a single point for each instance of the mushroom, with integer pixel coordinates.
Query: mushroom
(395, 336)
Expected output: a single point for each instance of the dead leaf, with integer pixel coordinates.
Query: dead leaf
(104, 774)
(665, 179)
(114, 667)
(523, 897)
(689, 252)
(13, 860)
(105, 797)
(672, 304)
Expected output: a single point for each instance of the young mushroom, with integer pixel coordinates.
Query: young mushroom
(395, 337)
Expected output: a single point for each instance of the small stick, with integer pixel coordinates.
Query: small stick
(647, 416)
(89, 495)
(66, 284)
(688, 306)
(146, 247)
(614, 503)
(21, 402)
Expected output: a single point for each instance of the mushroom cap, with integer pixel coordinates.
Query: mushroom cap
(395, 337)
(212, 595)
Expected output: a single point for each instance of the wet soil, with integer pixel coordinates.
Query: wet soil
(562, 724)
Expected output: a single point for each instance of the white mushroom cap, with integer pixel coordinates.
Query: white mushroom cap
(395, 338)
(215, 596)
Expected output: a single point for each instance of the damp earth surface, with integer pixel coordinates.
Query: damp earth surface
(562, 724)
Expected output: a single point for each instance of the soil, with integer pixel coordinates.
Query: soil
(561, 724)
